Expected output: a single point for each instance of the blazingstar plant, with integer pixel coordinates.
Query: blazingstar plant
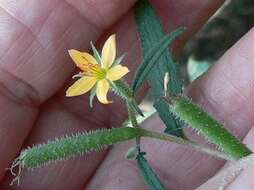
(98, 72)
(101, 73)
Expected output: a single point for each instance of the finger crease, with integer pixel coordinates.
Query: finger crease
(18, 90)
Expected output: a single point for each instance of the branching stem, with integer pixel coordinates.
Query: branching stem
(134, 122)
(174, 139)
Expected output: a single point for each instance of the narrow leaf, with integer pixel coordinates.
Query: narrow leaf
(152, 58)
(150, 32)
(148, 174)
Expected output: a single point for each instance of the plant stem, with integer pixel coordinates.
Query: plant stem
(79, 143)
(132, 116)
(134, 122)
(174, 139)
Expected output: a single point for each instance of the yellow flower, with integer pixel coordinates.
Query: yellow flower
(96, 74)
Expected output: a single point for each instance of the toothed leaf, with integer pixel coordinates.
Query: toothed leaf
(150, 32)
(152, 58)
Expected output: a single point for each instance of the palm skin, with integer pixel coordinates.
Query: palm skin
(36, 70)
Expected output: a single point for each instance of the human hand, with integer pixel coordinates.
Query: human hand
(35, 70)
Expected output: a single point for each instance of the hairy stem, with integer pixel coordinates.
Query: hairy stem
(73, 145)
(178, 140)
(134, 122)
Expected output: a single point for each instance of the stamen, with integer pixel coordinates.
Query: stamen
(92, 70)
(79, 75)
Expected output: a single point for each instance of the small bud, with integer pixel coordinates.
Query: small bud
(166, 81)
(131, 153)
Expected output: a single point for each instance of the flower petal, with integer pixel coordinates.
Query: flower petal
(117, 72)
(102, 90)
(81, 86)
(108, 54)
(82, 59)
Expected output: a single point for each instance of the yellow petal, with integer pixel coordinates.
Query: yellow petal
(82, 59)
(81, 86)
(102, 90)
(108, 54)
(117, 72)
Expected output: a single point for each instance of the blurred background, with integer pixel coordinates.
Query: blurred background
(224, 29)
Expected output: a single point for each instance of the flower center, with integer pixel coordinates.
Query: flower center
(94, 70)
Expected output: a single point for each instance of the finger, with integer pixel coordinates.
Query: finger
(223, 92)
(35, 37)
(38, 41)
(227, 87)
(245, 178)
(74, 111)
(172, 163)
(62, 116)
(230, 181)
(14, 124)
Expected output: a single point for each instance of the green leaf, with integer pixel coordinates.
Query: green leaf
(152, 57)
(148, 174)
(150, 32)
(95, 53)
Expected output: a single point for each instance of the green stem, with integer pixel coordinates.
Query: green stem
(134, 122)
(77, 144)
(66, 147)
(124, 91)
(174, 139)
(132, 116)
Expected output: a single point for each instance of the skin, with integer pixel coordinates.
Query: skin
(36, 70)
